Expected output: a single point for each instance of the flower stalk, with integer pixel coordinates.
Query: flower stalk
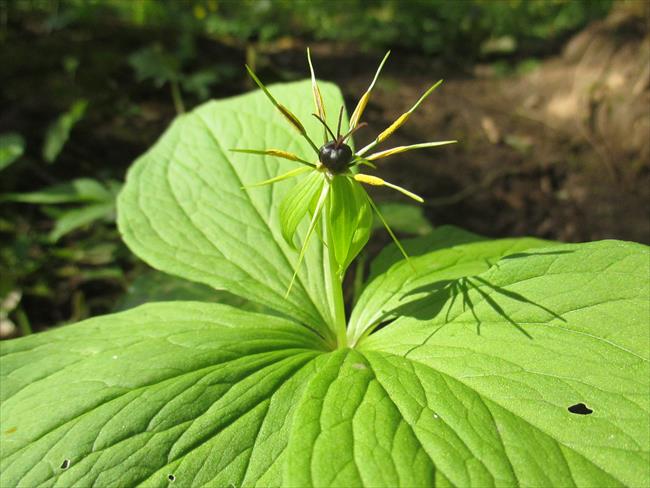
(334, 286)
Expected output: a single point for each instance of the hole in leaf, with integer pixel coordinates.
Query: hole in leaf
(65, 464)
(171, 477)
(580, 409)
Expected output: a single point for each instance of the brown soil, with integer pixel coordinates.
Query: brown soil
(561, 153)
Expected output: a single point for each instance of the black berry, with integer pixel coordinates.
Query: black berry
(335, 157)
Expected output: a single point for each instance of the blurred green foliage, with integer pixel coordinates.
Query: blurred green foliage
(59, 131)
(455, 29)
(155, 64)
(12, 146)
(96, 201)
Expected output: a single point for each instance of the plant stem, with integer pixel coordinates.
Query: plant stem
(177, 98)
(358, 276)
(334, 285)
(23, 322)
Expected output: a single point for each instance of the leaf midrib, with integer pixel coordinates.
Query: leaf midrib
(299, 278)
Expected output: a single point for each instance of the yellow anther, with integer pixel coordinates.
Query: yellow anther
(358, 111)
(283, 154)
(400, 149)
(293, 120)
(375, 181)
(369, 179)
(401, 120)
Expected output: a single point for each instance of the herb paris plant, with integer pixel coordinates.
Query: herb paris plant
(331, 192)
(477, 380)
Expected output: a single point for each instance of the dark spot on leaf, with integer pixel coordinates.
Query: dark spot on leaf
(65, 464)
(580, 409)
(171, 477)
(11, 431)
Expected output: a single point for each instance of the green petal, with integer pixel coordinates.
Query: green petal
(296, 204)
(350, 220)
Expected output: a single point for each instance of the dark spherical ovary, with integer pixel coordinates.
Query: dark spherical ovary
(335, 158)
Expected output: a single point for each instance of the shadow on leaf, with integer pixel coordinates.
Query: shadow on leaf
(434, 297)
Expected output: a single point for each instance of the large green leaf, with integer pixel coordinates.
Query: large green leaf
(183, 210)
(487, 367)
(134, 397)
(471, 388)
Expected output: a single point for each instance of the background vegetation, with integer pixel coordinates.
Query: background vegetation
(87, 86)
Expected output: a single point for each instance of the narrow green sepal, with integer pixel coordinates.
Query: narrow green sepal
(312, 225)
(390, 231)
(289, 174)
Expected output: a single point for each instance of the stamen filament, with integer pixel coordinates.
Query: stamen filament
(400, 121)
(359, 161)
(361, 106)
(293, 120)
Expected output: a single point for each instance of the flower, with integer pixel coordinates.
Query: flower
(333, 184)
